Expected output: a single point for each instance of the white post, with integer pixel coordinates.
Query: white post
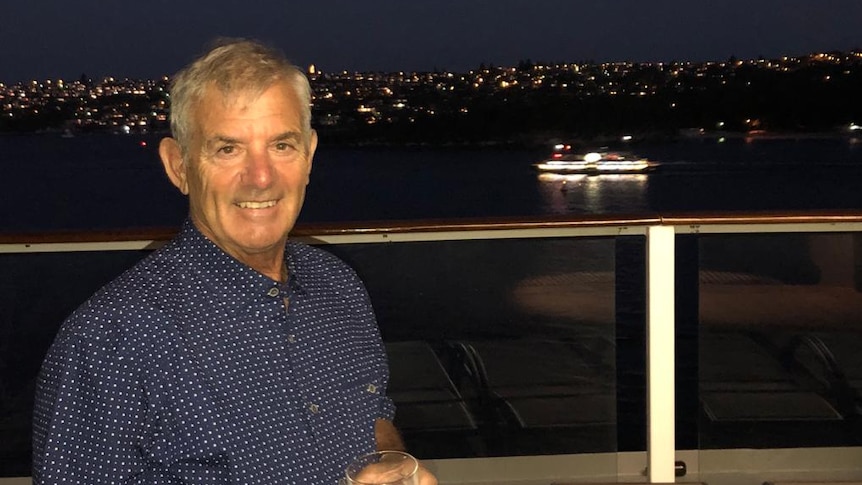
(661, 446)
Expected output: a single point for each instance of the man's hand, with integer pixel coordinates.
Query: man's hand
(425, 476)
(388, 438)
(385, 473)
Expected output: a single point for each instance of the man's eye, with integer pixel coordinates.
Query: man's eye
(227, 149)
(282, 146)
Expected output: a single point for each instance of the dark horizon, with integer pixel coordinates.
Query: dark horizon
(56, 40)
(120, 76)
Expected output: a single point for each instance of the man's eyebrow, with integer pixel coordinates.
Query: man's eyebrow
(221, 140)
(288, 136)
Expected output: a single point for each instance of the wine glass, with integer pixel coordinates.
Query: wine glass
(383, 468)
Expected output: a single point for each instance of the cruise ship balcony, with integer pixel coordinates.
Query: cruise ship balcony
(687, 348)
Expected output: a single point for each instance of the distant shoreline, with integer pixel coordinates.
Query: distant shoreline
(819, 135)
(535, 141)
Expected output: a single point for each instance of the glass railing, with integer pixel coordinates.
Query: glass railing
(554, 341)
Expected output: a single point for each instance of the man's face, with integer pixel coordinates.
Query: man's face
(246, 170)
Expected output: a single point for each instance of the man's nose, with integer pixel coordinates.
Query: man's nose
(259, 169)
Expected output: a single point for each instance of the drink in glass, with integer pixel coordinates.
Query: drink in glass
(384, 468)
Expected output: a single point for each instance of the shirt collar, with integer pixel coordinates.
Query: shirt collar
(224, 274)
(294, 277)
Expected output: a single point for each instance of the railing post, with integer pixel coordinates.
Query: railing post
(661, 446)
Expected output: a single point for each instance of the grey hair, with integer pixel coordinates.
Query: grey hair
(234, 66)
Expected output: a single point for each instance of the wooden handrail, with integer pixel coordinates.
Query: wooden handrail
(88, 236)
(796, 217)
(488, 224)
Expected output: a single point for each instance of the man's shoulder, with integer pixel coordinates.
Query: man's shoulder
(313, 259)
(315, 264)
(132, 298)
(154, 275)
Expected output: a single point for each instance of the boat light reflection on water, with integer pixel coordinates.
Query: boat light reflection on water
(580, 192)
(569, 178)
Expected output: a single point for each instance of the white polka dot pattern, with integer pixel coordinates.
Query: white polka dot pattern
(193, 368)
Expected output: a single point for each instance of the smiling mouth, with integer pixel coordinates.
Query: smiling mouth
(256, 205)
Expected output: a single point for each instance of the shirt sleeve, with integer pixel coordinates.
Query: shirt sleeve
(89, 417)
(356, 292)
(386, 408)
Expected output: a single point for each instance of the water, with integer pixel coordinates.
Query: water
(104, 181)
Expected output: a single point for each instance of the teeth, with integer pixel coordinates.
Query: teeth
(256, 205)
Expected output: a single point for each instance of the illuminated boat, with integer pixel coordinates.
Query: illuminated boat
(562, 160)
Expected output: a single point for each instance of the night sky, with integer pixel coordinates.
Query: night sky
(50, 39)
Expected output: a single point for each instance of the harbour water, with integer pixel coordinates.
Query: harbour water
(105, 181)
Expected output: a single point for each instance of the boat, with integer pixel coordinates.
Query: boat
(563, 160)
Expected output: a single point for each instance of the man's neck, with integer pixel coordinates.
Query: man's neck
(275, 269)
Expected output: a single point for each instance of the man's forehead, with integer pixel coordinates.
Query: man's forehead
(215, 114)
(215, 104)
(233, 96)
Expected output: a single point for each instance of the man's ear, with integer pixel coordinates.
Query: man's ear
(175, 167)
(312, 147)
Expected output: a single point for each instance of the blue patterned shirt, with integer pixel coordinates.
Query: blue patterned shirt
(193, 368)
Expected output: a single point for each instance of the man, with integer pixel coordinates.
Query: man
(231, 355)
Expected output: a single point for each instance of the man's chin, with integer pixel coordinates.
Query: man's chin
(261, 244)
(257, 239)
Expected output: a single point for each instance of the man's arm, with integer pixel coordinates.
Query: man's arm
(88, 417)
(387, 436)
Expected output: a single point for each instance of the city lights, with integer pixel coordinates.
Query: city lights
(344, 99)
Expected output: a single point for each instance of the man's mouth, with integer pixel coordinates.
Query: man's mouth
(256, 205)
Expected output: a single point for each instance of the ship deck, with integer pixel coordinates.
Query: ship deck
(569, 350)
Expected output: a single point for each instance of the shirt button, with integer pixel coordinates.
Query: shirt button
(291, 338)
(314, 408)
(371, 388)
(272, 292)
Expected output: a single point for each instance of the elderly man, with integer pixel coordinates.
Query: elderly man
(231, 355)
